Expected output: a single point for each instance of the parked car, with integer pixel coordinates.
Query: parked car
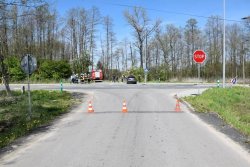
(131, 79)
(74, 78)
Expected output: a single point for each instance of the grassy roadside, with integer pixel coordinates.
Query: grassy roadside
(231, 104)
(46, 106)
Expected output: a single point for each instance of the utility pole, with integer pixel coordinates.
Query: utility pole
(224, 47)
(243, 53)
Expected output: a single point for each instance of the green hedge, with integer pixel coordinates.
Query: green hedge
(46, 70)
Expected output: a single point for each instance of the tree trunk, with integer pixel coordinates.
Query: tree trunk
(5, 76)
(141, 54)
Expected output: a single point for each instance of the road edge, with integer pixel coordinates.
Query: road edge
(38, 133)
(214, 120)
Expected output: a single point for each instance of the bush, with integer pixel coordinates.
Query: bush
(46, 70)
(137, 72)
(14, 69)
(52, 70)
(158, 73)
(81, 64)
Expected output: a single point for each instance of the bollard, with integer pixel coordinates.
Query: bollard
(218, 83)
(23, 89)
(61, 86)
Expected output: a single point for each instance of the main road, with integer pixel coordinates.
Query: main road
(151, 134)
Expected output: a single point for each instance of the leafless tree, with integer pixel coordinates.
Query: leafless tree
(214, 44)
(94, 21)
(9, 14)
(192, 34)
(138, 19)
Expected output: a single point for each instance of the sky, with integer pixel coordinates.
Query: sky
(175, 12)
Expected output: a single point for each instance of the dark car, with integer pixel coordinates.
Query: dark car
(131, 79)
(74, 78)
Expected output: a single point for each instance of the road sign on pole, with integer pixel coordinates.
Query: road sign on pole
(199, 56)
(28, 65)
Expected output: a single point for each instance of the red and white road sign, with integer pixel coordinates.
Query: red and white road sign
(199, 56)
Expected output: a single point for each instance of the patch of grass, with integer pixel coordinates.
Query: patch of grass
(46, 106)
(232, 105)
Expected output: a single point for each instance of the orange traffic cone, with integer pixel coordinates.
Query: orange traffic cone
(124, 107)
(177, 106)
(90, 108)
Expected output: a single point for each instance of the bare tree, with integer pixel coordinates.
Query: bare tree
(72, 24)
(94, 21)
(132, 56)
(163, 41)
(191, 40)
(107, 26)
(126, 53)
(8, 12)
(112, 45)
(235, 49)
(83, 31)
(110, 42)
(173, 34)
(214, 46)
(140, 22)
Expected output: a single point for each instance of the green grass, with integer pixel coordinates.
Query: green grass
(231, 104)
(14, 117)
(43, 81)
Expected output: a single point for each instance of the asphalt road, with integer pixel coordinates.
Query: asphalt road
(150, 134)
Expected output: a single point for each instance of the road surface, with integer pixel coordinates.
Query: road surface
(150, 134)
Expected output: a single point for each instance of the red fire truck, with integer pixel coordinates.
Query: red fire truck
(97, 75)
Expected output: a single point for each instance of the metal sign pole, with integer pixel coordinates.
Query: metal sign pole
(199, 75)
(145, 75)
(28, 65)
(199, 56)
(29, 87)
(224, 45)
(199, 71)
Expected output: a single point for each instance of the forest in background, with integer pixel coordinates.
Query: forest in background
(35, 27)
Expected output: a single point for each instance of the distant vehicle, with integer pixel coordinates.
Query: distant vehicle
(74, 78)
(131, 79)
(97, 75)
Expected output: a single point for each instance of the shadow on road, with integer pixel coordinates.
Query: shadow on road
(138, 112)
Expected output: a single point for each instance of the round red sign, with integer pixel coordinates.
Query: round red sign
(199, 56)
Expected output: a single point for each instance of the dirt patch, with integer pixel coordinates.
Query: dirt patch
(78, 95)
(78, 98)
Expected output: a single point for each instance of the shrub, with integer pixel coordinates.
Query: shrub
(54, 70)
(14, 68)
